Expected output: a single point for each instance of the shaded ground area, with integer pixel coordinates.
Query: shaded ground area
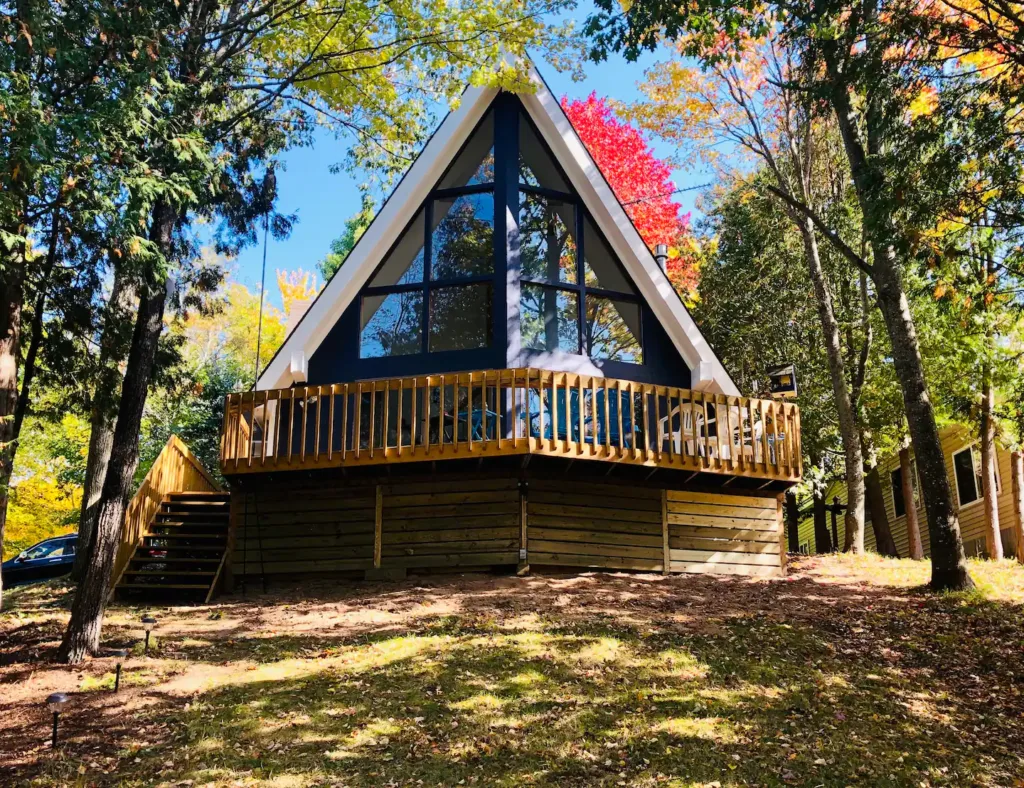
(843, 674)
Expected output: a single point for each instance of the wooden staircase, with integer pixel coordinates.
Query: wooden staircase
(183, 551)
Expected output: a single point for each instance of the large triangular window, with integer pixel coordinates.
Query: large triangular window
(434, 290)
(574, 295)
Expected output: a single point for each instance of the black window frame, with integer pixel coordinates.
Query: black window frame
(506, 190)
(429, 283)
(580, 217)
(976, 476)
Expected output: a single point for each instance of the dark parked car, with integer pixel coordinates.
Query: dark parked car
(50, 558)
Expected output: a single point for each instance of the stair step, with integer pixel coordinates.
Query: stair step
(199, 504)
(169, 573)
(181, 548)
(185, 535)
(195, 494)
(189, 521)
(174, 560)
(151, 586)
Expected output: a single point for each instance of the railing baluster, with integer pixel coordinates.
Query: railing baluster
(291, 422)
(305, 411)
(266, 433)
(400, 420)
(593, 415)
(344, 422)
(469, 412)
(319, 418)
(357, 421)
(251, 443)
(580, 407)
(728, 433)
(386, 417)
(330, 423)
(632, 418)
(440, 417)
(412, 409)
(657, 426)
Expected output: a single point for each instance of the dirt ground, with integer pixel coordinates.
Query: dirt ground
(846, 672)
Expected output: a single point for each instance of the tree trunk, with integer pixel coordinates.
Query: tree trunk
(909, 506)
(884, 543)
(793, 521)
(949, 565)
(993, 539)
(83, 633)
(1017, 471)
(103, 412)
(11, 297)
(822, 541)
(853, 456)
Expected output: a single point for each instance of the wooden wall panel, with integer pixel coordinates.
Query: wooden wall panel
(594, 525)
(450, 523)
(289, 528)
(711, 533)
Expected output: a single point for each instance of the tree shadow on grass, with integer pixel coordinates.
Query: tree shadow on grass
(579, 703)
(568, 681)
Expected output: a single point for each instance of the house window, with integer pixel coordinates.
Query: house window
(967, 470)
(896, 477)
(549, 318)
(434, 292)
(574, 296)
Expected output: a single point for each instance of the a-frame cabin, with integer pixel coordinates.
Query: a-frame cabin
(501, 375)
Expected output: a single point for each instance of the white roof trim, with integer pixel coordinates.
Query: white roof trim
(707, 372)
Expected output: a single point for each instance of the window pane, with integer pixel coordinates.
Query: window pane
(475, 164)
(536, 165)
(897, 492)
(404, 266)
(463, 236)
(547, 242)
(613, 330)
(549, 319)
(391, 325)
(460, 317)
(966, 479)
(601, 266)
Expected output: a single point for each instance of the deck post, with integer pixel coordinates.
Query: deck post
(783, 557)
(524, 560)
(667, 554)
(378, 523)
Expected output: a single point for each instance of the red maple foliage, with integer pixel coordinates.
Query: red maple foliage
(640, 180)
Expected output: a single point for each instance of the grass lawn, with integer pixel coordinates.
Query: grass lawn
(845, 673)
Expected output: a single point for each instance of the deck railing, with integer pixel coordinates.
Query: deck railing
(176, 469)
(512, 411)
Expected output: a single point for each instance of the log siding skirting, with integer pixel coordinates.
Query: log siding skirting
(290, 528)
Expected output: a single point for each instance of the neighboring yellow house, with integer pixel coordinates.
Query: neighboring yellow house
(962, 452)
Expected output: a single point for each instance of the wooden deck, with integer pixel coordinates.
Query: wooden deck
(510, 412)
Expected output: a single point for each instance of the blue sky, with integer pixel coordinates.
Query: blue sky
(323, 200)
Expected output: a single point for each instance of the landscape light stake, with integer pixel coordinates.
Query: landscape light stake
(120, 654)
(56, 702)
(148, 623)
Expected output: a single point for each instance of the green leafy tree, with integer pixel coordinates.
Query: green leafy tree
(355, 226)
(869, 66)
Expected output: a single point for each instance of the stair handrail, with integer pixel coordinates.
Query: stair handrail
(176, 469)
